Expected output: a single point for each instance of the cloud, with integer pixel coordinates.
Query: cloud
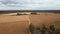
(29, 4)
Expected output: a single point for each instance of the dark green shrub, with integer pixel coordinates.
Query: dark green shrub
(43, 27)
(52, 28)
(34, 13)
(37, 28)
(57, 31)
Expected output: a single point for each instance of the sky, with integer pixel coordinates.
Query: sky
(29, 4)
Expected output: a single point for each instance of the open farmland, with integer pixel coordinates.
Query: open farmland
(10, 24)
(46, 18)
(18, 24)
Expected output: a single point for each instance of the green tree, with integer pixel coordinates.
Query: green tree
(52, 29)
(43, 29)
(31, 28)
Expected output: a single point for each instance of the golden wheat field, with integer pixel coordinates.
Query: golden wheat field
(13, 24)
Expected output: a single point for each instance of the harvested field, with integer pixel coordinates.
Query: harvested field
(14, 27)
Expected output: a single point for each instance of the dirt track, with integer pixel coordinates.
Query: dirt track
(10, 24)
